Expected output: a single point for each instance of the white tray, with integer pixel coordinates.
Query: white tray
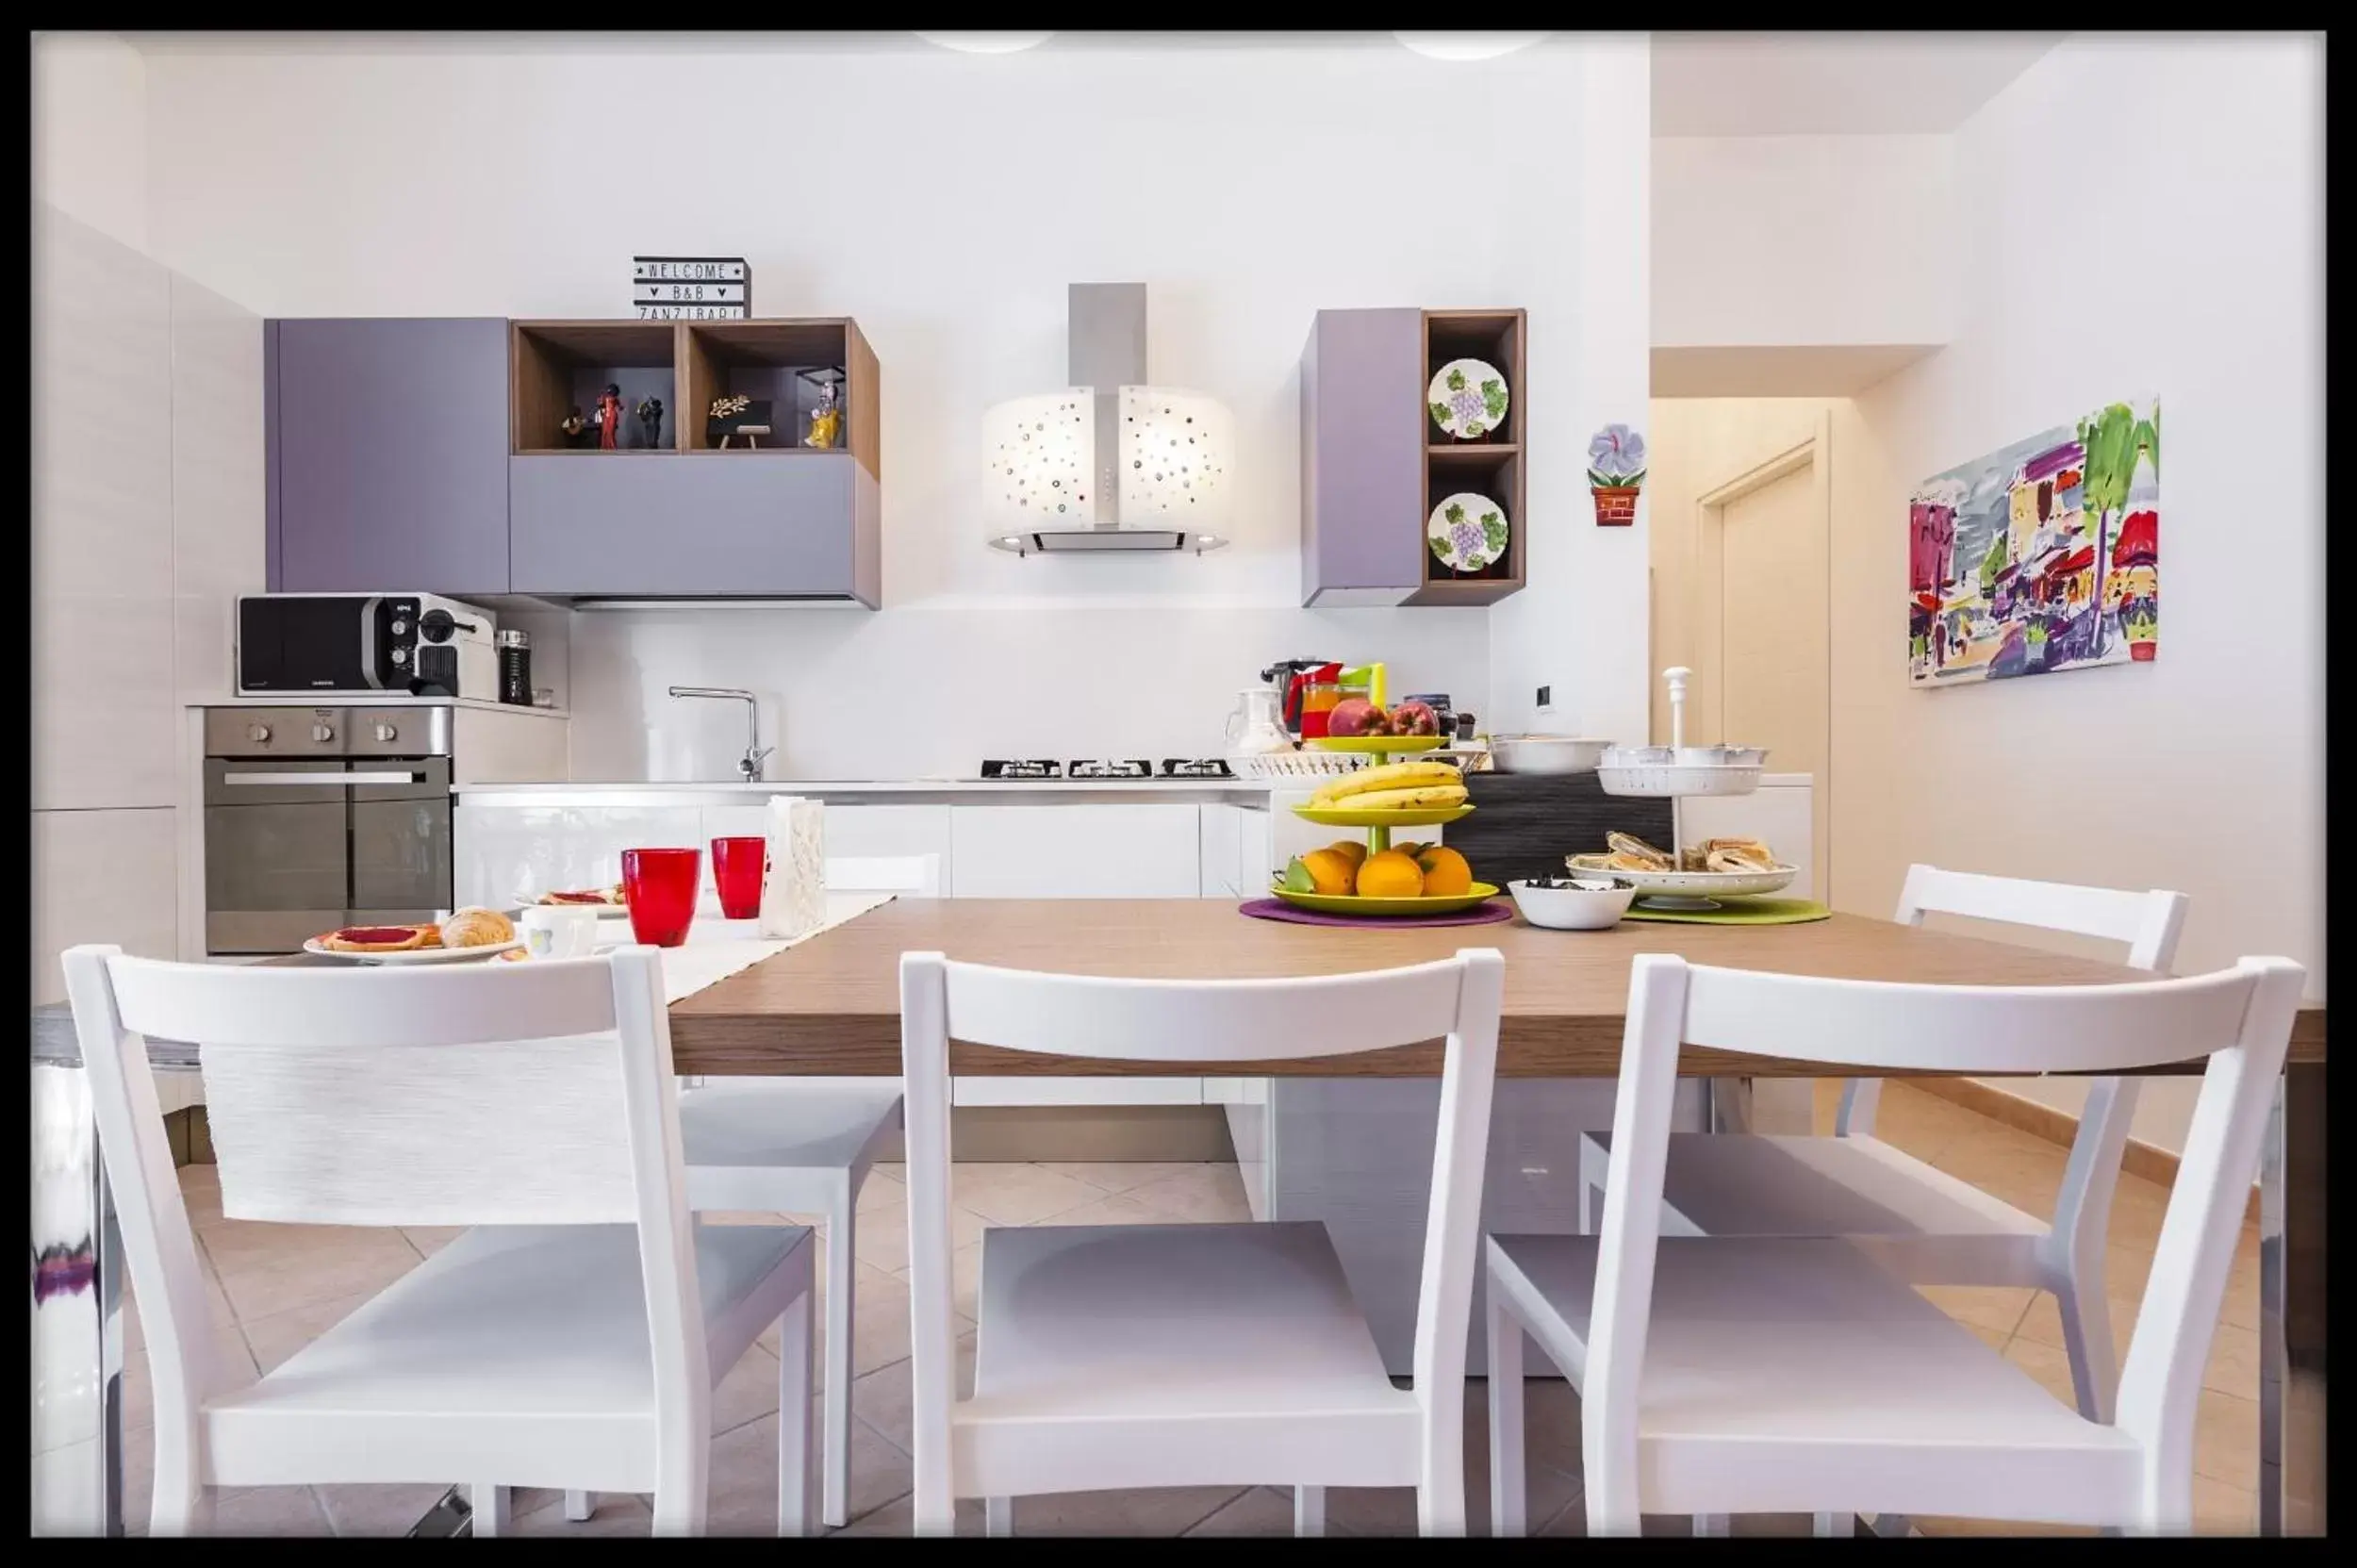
(1679, 781)
(1694, 885)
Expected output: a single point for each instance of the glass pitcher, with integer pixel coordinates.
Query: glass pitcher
(1256, 726)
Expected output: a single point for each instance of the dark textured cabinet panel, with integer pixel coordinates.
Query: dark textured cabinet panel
(388, 456)
(1524, 825)
(688, 524)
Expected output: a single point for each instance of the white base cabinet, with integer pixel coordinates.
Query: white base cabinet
(1120, 850)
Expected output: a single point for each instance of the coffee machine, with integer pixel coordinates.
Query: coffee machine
(1292, 679)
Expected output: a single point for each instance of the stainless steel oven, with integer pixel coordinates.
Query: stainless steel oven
(322, 818)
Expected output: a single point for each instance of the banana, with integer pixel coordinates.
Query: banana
(1392, 775)
(1401, 799)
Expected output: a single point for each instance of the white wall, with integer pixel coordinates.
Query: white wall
(2134, 217)
(1579, 627)
(89, 132)
(1803, 239)
(946, 201)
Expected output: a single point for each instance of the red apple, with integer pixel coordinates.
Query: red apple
(1416, 718)
(1354, 716)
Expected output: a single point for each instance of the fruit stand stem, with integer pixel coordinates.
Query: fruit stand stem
(1379, 840)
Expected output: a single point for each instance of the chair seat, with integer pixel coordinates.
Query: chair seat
(1761, 1350)
(752, 1122)
(505, 1327)
(1172, 1320)
(1752, 1184)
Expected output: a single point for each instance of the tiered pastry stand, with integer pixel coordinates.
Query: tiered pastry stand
(1691, 890)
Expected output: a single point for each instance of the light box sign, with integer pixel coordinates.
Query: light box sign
(691, 288)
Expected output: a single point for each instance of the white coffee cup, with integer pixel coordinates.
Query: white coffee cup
(559, 931)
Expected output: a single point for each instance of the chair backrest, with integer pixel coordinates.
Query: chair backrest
(917, 875)
(495, 1093)
(1181, 1020)
(2147, 922)
(2240, 1020)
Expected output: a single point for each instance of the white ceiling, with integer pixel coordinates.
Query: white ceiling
(1831, 84)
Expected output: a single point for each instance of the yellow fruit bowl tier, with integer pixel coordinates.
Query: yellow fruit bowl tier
(1341, 815)
(1377, 745)
(1350, 903)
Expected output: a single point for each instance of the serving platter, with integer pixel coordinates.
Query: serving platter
(1341, 815)
(1351, 903)
(415, 955)
(1686, 889)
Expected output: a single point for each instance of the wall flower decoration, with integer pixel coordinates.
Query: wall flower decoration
(1616, 469)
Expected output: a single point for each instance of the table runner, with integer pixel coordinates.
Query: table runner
(719, 949)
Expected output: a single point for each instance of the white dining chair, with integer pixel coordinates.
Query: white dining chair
(1758, 1373)
(804, 1146)
(1930, 1227)
(572, 1338)
(1189, 1355)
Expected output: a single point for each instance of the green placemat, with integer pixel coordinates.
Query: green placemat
(1740, 912)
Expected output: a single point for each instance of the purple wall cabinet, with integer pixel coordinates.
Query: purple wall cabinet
(771, 524)
(386, 456)
(1373, 466)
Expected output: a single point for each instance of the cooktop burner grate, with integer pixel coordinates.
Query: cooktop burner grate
(1118, 767)
(1030, 768)
(1195, 767)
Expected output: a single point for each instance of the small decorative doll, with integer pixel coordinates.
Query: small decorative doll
(826, 420)
(650, 420)
(610, 418)
(575, 427)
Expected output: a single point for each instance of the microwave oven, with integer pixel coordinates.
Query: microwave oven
(365, 645)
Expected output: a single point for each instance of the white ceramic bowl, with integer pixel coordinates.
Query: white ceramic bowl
(1592, 903)
(1545, 753)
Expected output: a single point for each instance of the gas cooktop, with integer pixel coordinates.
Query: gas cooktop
(1089, 770)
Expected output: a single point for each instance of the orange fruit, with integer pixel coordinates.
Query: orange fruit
(1446, 872)
(1390, 875)
(1329, 872)
(1350, 850)
(1410, 848)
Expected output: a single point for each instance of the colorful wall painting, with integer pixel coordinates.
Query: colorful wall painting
(2043, 555)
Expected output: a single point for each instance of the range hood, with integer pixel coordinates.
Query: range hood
(1111, 464)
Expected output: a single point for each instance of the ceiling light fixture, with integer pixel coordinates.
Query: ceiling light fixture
(1466, 46)
(987, 43)
(1108, 464)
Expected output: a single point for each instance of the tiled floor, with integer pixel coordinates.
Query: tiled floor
(274, 1287)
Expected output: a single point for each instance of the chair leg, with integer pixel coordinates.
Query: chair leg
(1834, 1524)
(490, 1507)
(998, 1516)
(580, 1507)
(180, 1506)
(1309, 1511)
(835, 1508)
(794, 1434)
(2086, 1326)
(1711, 1524)
(1507, 1486)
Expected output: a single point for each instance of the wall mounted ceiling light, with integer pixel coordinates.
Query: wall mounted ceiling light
(1467, 46)
(988, 43)
(1108, 464)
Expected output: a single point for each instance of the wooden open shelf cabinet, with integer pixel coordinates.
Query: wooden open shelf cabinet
(558, 366)
(1491, 466)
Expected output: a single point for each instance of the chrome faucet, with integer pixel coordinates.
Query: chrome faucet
(748, 766)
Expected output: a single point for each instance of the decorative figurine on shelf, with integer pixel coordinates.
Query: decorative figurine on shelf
(576, 429)
(650, 420)
(610, 418)
(826, 420)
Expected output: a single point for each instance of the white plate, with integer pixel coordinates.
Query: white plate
(1468, 398)
(1486, 529)
(1694, 885)
(415, 955)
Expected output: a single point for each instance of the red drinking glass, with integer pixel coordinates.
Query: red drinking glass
(736, 868)
(660, 885)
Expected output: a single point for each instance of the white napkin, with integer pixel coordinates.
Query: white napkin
(794, 888)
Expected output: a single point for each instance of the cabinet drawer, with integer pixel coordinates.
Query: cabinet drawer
(658, 525)
(1108, 851)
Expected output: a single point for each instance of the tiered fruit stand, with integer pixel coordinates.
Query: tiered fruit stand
(1378, 824)
(1673, 778)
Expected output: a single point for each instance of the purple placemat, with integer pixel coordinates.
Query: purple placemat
(1488, 913)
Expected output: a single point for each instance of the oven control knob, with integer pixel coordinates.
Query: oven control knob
(401, 628)
(400, 655)
(258, 733)
(322, 732)
(387, 732)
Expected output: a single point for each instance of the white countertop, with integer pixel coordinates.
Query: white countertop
(683, 792)
(347, 700)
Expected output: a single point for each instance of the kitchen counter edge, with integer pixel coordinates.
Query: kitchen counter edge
(912, 791)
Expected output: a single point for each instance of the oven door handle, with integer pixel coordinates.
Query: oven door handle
(314, 781)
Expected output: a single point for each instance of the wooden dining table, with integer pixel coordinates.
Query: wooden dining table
(830, 1006)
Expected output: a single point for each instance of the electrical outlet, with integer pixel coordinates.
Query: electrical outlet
(1546, 697)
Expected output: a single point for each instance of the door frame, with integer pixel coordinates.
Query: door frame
(1814, 452)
